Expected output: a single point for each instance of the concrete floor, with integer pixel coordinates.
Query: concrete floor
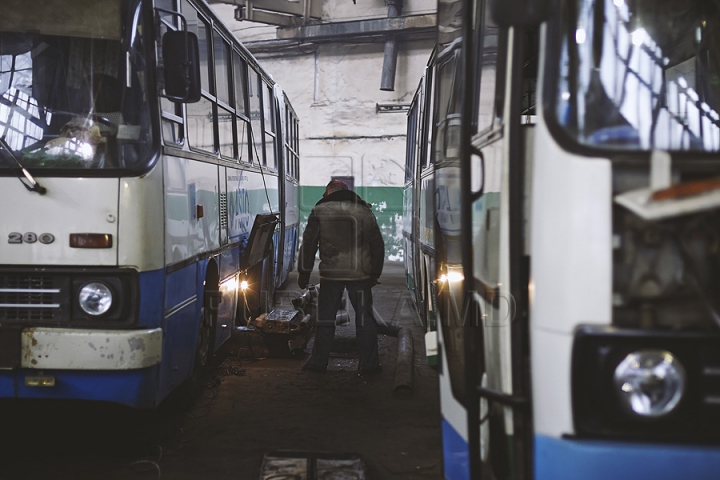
(249, 406)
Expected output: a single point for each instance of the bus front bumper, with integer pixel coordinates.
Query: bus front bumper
(571, 459)
(86, 349)
(119, 366)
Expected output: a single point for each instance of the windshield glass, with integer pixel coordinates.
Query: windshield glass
(640, 74)
(72, 85)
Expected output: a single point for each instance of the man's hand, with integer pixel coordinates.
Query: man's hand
(303, 280)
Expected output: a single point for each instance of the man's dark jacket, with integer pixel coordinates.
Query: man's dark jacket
(345, 229)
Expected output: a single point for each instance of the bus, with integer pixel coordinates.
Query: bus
(417, 228)
(149, 181)
(562, 211)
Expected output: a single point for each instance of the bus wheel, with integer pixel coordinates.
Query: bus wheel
(202, 351)
(204, 344)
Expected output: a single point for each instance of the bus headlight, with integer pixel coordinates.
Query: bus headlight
(95, 298)
(650, 383)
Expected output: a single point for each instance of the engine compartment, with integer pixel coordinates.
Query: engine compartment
(666, 272)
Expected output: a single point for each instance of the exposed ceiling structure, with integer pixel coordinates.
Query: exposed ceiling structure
(300, 23)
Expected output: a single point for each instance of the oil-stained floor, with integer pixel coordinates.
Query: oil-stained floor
(249, 406)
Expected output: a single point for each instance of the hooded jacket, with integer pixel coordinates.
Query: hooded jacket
(345, 230)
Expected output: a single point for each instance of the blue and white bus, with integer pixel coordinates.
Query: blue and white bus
(569, 255)
(149, 182)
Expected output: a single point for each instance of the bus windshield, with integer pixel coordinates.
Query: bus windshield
(640, 74)
(72, 85)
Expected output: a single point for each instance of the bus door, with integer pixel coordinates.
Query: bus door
(483, 276)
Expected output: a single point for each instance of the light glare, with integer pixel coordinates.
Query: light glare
(638, 37)
(451, 277)
(231, 284)
(580, 36)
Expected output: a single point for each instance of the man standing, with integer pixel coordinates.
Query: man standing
(352, 253)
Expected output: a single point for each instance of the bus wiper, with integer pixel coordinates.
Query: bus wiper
(34, 186)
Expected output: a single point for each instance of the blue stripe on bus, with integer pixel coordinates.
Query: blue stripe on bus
(181, 285)
(134, 388)
(7, 383)
(563, 459)
(151, 294)
(455, 453)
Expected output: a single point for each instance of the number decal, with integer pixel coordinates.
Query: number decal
(46, 238)
(29, 237)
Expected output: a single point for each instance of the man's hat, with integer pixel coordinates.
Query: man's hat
(334, 186)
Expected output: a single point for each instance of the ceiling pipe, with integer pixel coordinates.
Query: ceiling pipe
(387, 81)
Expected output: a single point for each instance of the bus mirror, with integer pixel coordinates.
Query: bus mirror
(512, 13)
(181, 65)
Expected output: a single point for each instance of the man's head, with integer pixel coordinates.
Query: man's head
(334, 186)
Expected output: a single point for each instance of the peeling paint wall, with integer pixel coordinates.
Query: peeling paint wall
(335, 89)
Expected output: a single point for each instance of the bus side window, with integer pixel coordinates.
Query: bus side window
(241, 115)
(269, 125)
(172, 112)
(411, 148)
(200, 130)
(491, 44)
(221, 55)
(427, 115)
(256, 132)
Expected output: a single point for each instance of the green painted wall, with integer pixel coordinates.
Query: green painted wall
(386, 205)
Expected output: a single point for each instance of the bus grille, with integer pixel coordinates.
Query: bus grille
(30, 298)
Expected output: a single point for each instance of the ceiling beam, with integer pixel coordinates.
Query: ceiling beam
(407, 25)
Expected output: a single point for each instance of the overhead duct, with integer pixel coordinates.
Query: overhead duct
(387, 81)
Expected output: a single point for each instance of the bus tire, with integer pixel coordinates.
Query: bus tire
(205, 342)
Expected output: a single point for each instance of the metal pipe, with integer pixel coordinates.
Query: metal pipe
(402, 387)
(387, 81)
